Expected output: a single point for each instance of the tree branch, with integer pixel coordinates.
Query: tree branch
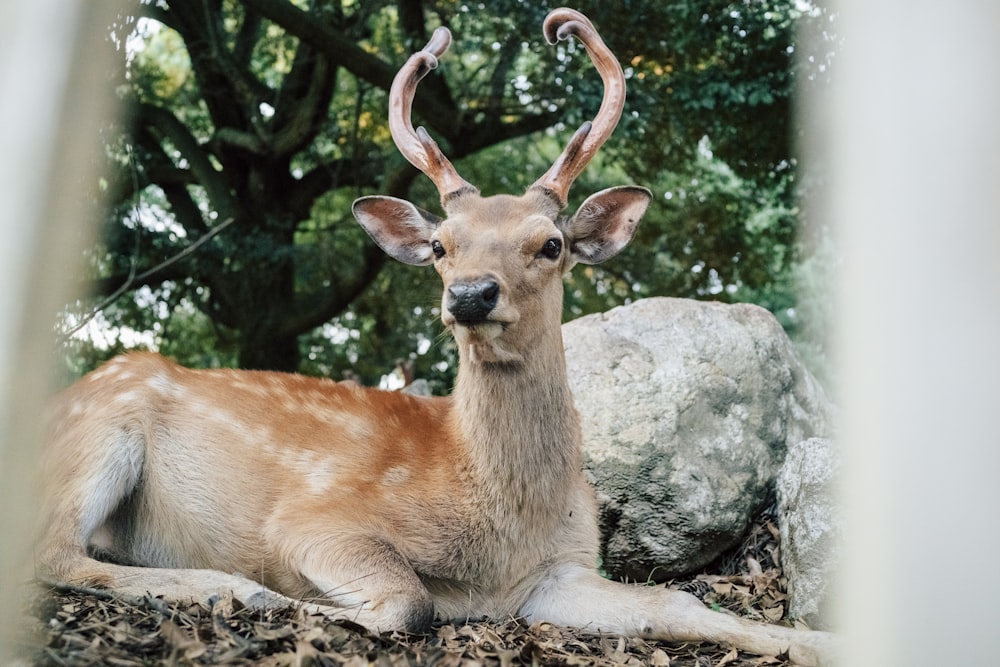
(494, 132)
(315, 312)
(304, 98)
(508, 56)
(328, 176)
(196, 23)
(157, 271)
(156, 118)
(174, 182)
(411, 20)
(345, 53)
(246, 38)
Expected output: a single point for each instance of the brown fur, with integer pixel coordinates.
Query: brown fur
(390, 507)
(382, 507)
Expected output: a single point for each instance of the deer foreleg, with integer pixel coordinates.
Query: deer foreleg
(574, 596)
(370, 580)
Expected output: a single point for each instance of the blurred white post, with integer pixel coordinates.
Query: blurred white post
(913, 136)
(54, 93)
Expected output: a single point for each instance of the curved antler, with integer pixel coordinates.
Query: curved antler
(416, 145)
(586, 141)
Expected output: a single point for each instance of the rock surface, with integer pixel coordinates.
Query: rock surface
(688, 410)
(811, 528)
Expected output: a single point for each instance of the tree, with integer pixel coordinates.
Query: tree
(268, 116)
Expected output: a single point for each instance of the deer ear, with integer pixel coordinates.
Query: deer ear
(401, 229)
(605, 223)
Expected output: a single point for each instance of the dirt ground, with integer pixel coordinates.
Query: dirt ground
(72, 627)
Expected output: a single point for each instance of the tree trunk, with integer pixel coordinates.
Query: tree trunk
(269, 352)
(263, 293)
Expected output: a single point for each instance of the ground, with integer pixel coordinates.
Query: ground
(72, 627)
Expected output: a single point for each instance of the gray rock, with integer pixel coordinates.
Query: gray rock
(419, 387)
(811, 528)
(688, 409)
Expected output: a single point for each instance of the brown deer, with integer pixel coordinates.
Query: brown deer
(388, 509)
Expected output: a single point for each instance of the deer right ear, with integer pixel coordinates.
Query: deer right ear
(401, 229)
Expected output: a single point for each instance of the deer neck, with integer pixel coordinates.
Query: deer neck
(520, 428)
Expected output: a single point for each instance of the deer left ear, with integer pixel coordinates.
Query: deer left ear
(605, 223)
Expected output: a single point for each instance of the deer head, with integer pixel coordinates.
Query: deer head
(502, 258)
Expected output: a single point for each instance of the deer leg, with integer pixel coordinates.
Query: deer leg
(369, 580)
(181, 586)
(575, 596)
(82, 492)
(80, 499)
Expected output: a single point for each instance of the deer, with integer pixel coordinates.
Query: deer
(385, 509)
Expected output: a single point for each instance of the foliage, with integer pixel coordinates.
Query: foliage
(272, 113)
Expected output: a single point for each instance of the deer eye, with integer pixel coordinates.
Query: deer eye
(552, 249)
(437, 249)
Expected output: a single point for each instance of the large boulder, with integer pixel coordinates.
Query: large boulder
(811, 528)
(688, 410)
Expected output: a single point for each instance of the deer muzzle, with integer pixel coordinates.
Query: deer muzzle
(471, 302)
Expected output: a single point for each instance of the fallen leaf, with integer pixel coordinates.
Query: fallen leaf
(722, 588)
(774, 614)
(732, 656)
(659, 658)
(267, 633)
(775, 533)
(187, 646)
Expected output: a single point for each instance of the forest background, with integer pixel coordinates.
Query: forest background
(251, 125)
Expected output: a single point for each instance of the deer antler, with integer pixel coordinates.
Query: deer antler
(560, 24)
(416, 145)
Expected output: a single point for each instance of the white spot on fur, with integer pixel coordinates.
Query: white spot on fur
(320, 477)
(113, 367)
(396, 475)
(128, 397)
(316, 471)
(223, 417)
(161, 384)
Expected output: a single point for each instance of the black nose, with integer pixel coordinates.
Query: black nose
(472, 302)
